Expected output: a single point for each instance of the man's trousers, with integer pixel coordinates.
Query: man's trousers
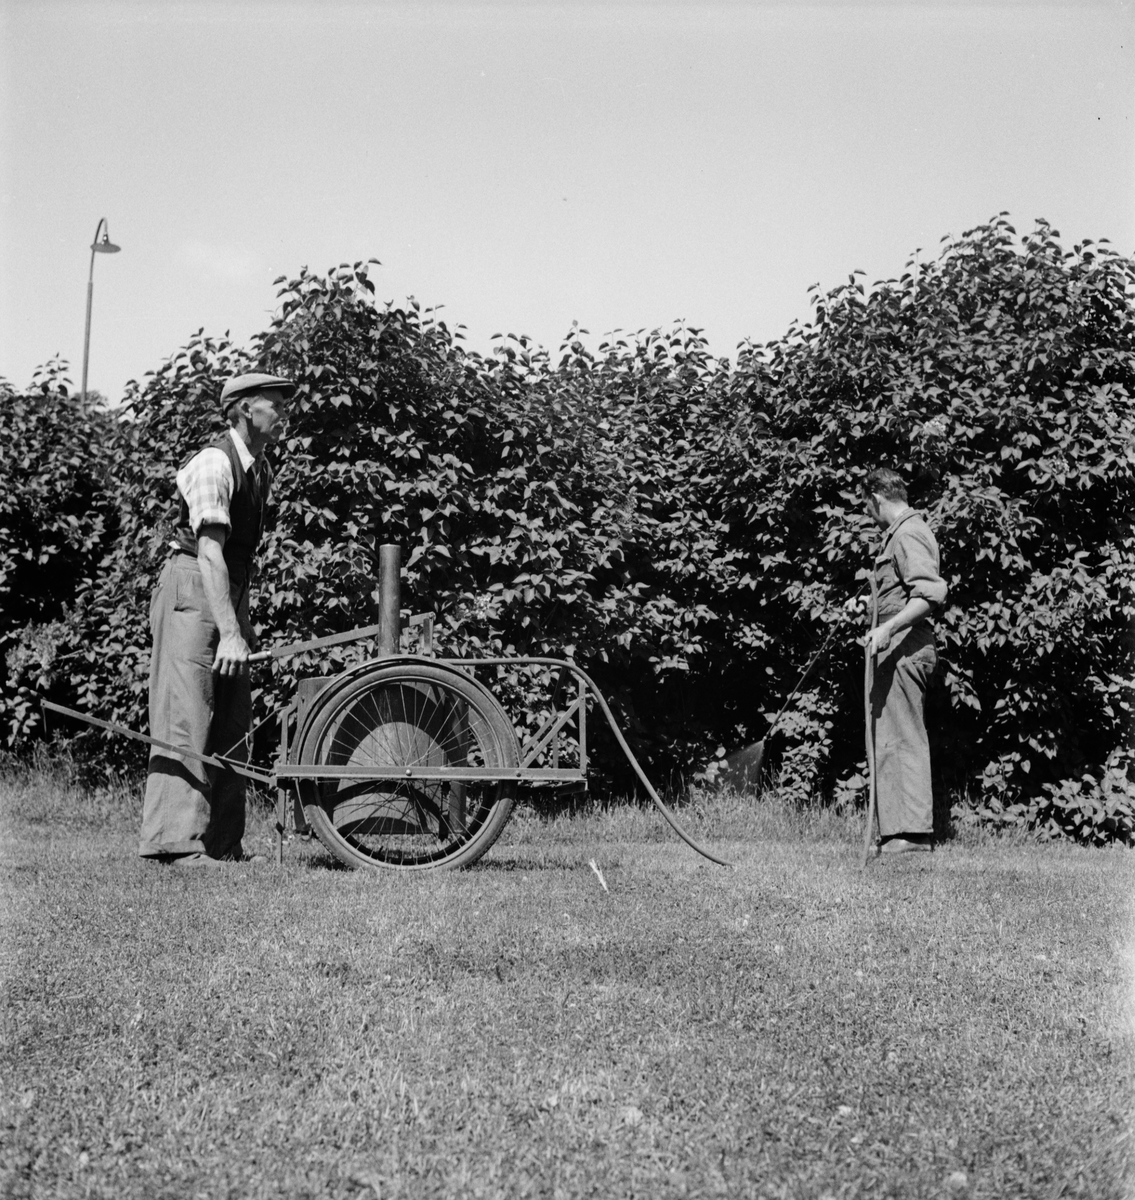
(902, 750)
(191, 807)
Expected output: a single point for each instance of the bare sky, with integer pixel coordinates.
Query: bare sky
(526, 165)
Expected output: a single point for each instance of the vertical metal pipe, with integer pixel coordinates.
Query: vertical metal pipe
(389, 600)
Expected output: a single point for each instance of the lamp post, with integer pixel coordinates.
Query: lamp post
(105, 246)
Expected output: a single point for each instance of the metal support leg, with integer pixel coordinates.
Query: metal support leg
(281, 790)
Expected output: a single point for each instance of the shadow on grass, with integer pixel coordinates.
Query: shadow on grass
(320, 860)
(495, 865)
(323, 862)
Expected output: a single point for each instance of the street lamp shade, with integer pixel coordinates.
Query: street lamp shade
(105, 245)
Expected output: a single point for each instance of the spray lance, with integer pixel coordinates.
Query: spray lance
(744, 765)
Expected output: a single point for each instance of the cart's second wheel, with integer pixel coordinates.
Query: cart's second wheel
(399, 716)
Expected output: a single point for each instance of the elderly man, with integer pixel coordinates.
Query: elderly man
(907, 590)
(200, 693)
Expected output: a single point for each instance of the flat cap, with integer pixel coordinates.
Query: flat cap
(239, 384)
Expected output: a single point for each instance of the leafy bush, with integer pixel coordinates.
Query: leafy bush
(58, 517)
(1095, 809)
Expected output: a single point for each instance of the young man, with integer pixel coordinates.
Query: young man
(200, 693)
(907, 590)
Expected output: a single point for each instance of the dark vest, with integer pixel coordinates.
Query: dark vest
(246, 513)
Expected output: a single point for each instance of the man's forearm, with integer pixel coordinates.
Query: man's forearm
(916, 608)
(215, 578)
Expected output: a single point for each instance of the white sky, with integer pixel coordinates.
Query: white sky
(526, 165)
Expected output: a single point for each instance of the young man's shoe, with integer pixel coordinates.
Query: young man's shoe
(906, 844)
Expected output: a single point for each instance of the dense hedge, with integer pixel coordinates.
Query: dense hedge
(689, 528)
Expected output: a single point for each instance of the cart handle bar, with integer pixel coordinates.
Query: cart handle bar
(334, 639)
(211, 760)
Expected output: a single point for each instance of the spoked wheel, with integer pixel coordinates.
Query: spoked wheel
(405, 716)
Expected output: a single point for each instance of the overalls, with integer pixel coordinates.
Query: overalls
(905, 802)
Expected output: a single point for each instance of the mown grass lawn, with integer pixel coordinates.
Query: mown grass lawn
(945, 1025)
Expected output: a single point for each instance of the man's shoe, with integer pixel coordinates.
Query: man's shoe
(196, 860)
(901, 845)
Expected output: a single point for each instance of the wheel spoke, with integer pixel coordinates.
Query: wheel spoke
(409, 722)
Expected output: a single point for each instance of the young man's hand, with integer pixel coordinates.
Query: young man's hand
(879, 638)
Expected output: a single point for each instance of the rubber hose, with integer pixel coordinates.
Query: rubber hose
(671, 820)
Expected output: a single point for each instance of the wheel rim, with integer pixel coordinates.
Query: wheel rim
(407, 723)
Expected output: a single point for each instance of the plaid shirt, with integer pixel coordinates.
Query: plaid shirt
(206, 482)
